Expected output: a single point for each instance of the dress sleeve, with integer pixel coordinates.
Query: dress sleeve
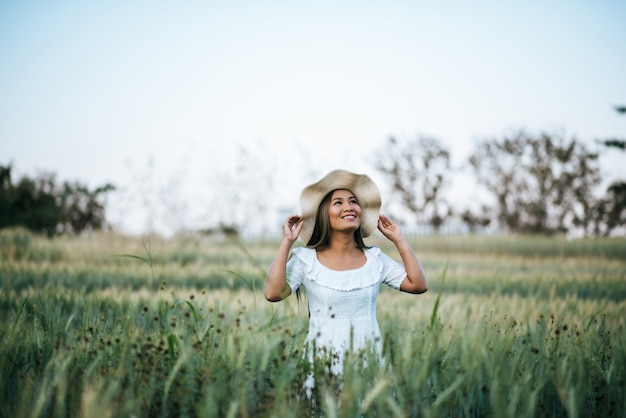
(296, 269)
(392, 272)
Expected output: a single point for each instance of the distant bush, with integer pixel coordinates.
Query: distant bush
(42, 206)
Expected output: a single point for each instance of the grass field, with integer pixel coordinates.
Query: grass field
(112, 326)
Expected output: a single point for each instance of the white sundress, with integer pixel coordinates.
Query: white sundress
(342, 304)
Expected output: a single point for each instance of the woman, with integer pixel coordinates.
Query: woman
(340, 274)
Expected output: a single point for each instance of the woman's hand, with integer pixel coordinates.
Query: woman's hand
(415, 280)
(276, 287)
(389, 228)
(292, 227)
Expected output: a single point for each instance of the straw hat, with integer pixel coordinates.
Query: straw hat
(361, 185)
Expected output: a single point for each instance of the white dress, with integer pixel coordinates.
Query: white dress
(342, 304)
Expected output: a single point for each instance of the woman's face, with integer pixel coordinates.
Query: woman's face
(344, 211)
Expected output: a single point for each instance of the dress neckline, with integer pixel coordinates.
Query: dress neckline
(367, 259)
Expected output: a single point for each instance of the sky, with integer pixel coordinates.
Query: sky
(208, 111)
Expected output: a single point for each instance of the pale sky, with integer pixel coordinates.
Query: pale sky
(158, 97)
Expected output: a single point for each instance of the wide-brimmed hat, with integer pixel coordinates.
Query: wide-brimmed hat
(361, 185)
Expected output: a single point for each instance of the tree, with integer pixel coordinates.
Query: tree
(80, 208)
(417, 171)
(612, 209)
(28, 203)
(43, 207)
(614, 143)
(542, 185)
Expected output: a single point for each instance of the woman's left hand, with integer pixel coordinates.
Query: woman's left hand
(389, 228)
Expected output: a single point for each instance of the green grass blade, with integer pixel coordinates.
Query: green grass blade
(434, 316)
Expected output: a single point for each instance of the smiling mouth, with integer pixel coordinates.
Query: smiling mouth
(349, 217)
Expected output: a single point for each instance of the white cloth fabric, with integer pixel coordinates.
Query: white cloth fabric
(342, 304)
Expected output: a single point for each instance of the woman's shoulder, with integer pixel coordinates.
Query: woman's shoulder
(302, 250)
(377, 254)
(303, 253)
(373, 251)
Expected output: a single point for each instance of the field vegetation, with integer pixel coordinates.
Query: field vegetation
(112, 326)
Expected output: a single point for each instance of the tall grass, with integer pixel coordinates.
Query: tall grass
(511, 333)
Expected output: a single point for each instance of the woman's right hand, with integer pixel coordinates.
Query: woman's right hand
(292, 227)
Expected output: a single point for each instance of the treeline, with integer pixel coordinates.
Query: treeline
(45, 206)
(543, 184)
(533, 184)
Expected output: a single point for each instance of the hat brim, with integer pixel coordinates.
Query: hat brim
(364, 189)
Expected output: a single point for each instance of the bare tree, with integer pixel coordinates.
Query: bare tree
(417, 171)
(612, 209)
(541, 184)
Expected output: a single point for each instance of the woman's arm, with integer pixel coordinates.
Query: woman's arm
(276, 287)
(415, 280)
